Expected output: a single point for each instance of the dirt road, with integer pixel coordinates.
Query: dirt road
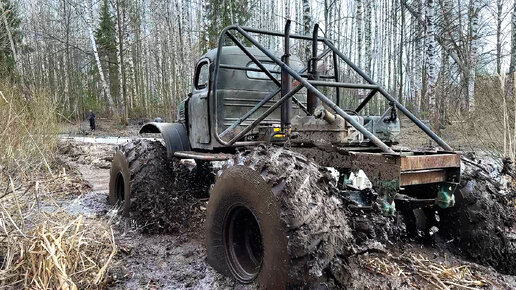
(178, 261)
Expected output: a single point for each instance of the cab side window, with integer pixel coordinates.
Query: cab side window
(261, 75)
(202, 75)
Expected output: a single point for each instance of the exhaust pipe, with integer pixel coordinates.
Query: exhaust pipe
(321, 113)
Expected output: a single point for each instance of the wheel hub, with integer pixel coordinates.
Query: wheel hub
(120, 187)
(243, 243)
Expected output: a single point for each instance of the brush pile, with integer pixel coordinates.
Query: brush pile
(44, 247)
(55, 254)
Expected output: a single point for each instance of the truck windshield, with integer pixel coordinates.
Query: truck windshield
(261, 75)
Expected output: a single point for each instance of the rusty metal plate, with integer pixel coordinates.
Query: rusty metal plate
(419, 162)
(422, 177)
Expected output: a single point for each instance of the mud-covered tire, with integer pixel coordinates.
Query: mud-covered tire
(138, 166)
(241, 193)
(482, 223)
(119, 180)
(302, 225)
(150, 195)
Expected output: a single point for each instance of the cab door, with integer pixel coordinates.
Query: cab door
(198, 105)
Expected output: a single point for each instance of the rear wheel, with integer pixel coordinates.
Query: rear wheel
(242, 222)
(143, 180)
(272, 218)
(482, 224)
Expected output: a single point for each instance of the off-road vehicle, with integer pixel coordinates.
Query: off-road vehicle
(275, 212)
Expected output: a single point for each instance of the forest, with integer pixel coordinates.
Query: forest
(136, 58)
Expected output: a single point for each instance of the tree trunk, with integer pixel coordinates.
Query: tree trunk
(359, 32)
(306, 27)
(473, 57)
(120, 14)
(400, 63)
(499, 10)
(105, 87)
(431, 64)
(512, 66)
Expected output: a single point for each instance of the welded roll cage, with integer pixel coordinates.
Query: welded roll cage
(287, 92)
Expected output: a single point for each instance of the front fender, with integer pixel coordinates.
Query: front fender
(174, 135)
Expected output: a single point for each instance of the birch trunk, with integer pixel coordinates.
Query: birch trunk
(431, 73)
(499, 11)
(473, 58)
(359, 32)
(367, 44)
(400, 61)
(306, 27)
(105, 87)
(367, 39)
(512, 66)
(120, 15)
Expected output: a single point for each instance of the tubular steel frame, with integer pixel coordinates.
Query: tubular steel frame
(287, 93)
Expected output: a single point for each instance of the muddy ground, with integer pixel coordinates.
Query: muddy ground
(178, 260)
(143, 261)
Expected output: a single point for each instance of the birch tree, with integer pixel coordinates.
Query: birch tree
(474, 8)
(431, 75)
(105, 87)
(359, 15)
(140, 60)
(499, 19)
(306, 27)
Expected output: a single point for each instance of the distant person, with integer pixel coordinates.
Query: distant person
(158, 120)
(91, 117)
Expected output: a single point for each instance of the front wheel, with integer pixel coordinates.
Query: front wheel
(145, 183)
(245, 237)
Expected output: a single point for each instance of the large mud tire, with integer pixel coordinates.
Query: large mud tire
(298, 227)
(143, 182)
(482, 222)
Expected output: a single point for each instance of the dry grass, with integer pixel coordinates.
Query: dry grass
(491, 127)
(49, 248)
(27, 132)
(43, 248)
(439, 275)
(56, 254)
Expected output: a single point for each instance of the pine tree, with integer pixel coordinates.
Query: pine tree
(219, 14)
(105, 35)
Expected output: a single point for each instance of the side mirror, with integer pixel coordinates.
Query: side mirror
(190, 94)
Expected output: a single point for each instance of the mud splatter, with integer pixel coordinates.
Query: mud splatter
(481, 226)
